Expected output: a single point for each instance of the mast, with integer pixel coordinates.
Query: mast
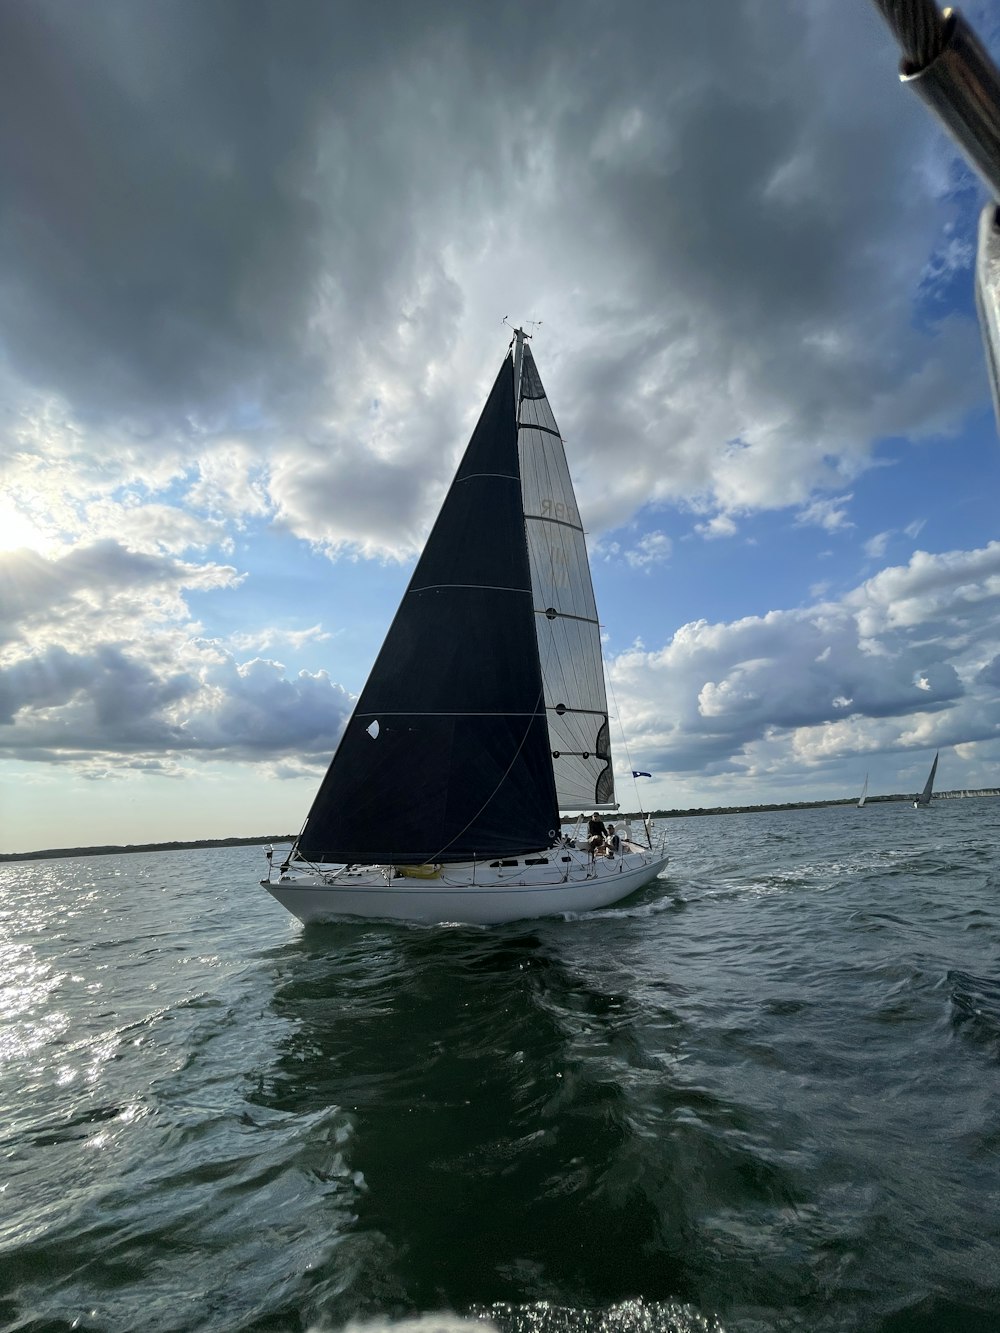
(519, 337)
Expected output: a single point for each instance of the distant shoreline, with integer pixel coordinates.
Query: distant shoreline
(111, 850)
(53, 853)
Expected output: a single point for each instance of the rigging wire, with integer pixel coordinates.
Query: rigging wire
(527, 731)
(628, 756)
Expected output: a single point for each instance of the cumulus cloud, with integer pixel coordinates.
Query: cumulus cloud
(75, 706)
(99, 590)
(103, 658)
(910, 656)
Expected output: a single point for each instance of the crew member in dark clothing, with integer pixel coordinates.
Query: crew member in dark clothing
(596, 833)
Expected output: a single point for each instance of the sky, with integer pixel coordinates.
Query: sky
(255, 261)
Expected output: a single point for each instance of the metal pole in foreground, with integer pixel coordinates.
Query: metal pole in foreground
(945, 62)
(961, 85)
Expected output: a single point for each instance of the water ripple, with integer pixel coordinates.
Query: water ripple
(758, 1096)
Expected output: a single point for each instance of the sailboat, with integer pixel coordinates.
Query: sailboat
(485, 714)
(864, 794)
(924, 799)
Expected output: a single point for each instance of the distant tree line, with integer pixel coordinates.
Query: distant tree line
(276, 838)
(111, 850)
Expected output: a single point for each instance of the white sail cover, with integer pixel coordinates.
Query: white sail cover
(569, 641)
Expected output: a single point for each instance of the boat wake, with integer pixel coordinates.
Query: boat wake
(636, 1316)
(637, 912)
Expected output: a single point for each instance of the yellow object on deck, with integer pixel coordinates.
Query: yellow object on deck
(419, 872)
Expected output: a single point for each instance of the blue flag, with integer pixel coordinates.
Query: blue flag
(637, 774)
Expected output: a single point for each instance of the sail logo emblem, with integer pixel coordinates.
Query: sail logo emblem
(558, 509)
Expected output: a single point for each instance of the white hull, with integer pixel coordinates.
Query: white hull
(480, 894)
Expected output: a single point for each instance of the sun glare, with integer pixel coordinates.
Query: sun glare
(17, 530)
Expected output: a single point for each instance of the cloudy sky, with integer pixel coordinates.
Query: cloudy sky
(254, 262)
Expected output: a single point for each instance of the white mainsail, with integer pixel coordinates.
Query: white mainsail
(567, 627)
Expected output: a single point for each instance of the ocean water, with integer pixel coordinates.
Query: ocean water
(763, 1094)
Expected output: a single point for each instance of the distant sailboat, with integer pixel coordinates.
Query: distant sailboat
(924, 799)
(485, 713)
(864, 793)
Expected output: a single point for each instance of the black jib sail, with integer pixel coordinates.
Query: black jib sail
(447, 755)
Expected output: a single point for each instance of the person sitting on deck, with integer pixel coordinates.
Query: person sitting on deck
(596, 833)
(614, 841)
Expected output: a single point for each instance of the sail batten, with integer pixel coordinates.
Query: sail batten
(551, 614)
(562, 522)
(443, 712)
(493, 476)
(479, 587)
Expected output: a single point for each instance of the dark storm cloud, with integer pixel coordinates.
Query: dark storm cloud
(186, 185)
(182, 181)
(155, 252)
